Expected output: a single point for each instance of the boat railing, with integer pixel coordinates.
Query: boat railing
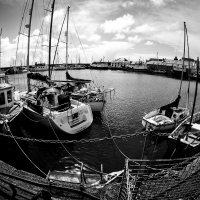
(160, 179)
(177, 131)
(61, 107)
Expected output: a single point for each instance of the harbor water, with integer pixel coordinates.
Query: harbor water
(135, 94)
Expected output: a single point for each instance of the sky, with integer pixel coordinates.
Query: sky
(99, 30)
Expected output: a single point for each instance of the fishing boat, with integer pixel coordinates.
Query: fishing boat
(185, 139)
(54, 110)
(167, 117)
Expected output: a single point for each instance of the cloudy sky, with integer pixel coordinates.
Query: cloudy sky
(100, 29)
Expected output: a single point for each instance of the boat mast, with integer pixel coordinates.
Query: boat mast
(188, 92)
(0, 48)
(66, 35)
(50, 33)
(183, 62)
(28, 49)
(195, 94)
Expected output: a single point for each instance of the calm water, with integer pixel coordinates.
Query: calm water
(135, 94)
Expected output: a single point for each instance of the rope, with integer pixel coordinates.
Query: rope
(32, 119)
(78, 161)
(115, 142)
(23, 151)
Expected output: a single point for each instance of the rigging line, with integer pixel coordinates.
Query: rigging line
(41, 28)
(73, 42)
(78, 161)
(23, 151)
(58, 42)
(179, 42)
(79, 39)
(81, 44)
(77, 52)
(32, 119)
(113, 148)
(19, 35)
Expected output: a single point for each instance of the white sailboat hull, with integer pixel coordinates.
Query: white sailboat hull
(71, 121)
(156, 121)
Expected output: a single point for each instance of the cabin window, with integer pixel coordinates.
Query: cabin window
(2, 98)
(9, 96)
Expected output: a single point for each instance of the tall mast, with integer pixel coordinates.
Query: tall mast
(66, 35)
(195, 95)
(28, 49)
(189, 71)
(0, 48)
(183, 61)
(50, 33)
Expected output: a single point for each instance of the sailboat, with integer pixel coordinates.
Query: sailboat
(167, 117)
(7, 106)
(82, 90)
(50, 106)
(186, 137)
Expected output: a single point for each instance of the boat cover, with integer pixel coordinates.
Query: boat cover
(69, 77)
(170, 105)
(38, 76)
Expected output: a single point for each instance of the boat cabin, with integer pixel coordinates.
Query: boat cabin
(6, 92)
(53, 97)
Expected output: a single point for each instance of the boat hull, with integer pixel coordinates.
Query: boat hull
(152, 122)
(96, 106)
(177, 145)
(44, 127)
(149, 126)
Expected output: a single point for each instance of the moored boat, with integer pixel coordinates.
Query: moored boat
(165, 118)
(185, 139)
(48, 105)
(169, 116)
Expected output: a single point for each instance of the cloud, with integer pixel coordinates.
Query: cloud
(94, 37)
(158, 2)
(127, 4)
(144, 29)
(148, 43)
(12, 2)
(111, 50)
(119, 25)
(119, 36)
(135, 39)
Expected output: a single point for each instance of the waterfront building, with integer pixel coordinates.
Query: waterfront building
(120, 63)
(171, 66)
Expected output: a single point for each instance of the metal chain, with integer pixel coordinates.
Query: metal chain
(158, 133)
(73, 141)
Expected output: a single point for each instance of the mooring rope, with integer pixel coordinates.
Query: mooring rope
(8, 128)
(78, 161)
(114, 140)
